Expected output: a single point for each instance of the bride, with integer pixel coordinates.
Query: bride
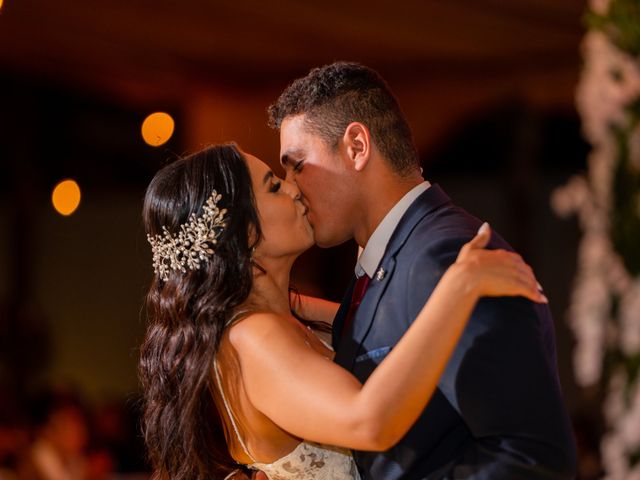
(223, 346)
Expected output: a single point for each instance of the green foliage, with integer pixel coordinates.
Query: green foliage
(621, 24)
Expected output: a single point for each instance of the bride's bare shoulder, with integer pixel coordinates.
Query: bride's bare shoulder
(259, 329)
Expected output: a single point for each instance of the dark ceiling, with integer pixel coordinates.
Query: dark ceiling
(119, 44)
(77, 77)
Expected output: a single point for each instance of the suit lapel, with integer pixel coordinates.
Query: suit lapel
(433, 198)
(365, 314)
(349, 345)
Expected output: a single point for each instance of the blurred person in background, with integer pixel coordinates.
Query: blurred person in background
(13, 442)
(14, 436)
(115, 432)
(60, 439)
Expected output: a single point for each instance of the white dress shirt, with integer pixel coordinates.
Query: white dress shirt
(374, 250)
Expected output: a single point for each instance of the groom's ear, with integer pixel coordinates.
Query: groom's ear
(357, 141)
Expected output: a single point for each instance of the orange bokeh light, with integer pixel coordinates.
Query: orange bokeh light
(157, 128)
(66, 197)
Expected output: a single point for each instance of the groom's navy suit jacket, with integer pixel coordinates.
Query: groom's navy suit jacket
(498, 411)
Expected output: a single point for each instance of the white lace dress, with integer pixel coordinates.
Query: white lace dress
(308, 461)
(311, 461)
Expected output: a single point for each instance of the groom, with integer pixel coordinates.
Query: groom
(498, 411)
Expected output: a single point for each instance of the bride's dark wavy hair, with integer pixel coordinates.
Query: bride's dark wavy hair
(187, 313)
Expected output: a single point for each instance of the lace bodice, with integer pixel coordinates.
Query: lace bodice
(311, 461)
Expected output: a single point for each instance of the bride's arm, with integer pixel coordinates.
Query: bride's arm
(313, 398)
(314, 308)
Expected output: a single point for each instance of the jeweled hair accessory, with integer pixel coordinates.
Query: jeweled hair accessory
(194, 243)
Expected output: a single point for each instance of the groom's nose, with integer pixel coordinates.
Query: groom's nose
(289, 174)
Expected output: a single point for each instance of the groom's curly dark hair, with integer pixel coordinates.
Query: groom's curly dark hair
(333, 96)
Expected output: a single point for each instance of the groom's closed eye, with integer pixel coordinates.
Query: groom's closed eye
(291, 157)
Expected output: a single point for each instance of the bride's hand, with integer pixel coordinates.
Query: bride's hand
(496, 273)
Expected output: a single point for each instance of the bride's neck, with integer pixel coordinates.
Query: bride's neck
(271, 287)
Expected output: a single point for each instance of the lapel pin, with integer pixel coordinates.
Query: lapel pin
(380, 274)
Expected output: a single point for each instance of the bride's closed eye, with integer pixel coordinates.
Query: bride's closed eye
(275, 186)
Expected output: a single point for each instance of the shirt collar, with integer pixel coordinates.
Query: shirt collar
(373, 252)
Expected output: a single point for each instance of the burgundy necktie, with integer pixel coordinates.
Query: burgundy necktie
(356, 297)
